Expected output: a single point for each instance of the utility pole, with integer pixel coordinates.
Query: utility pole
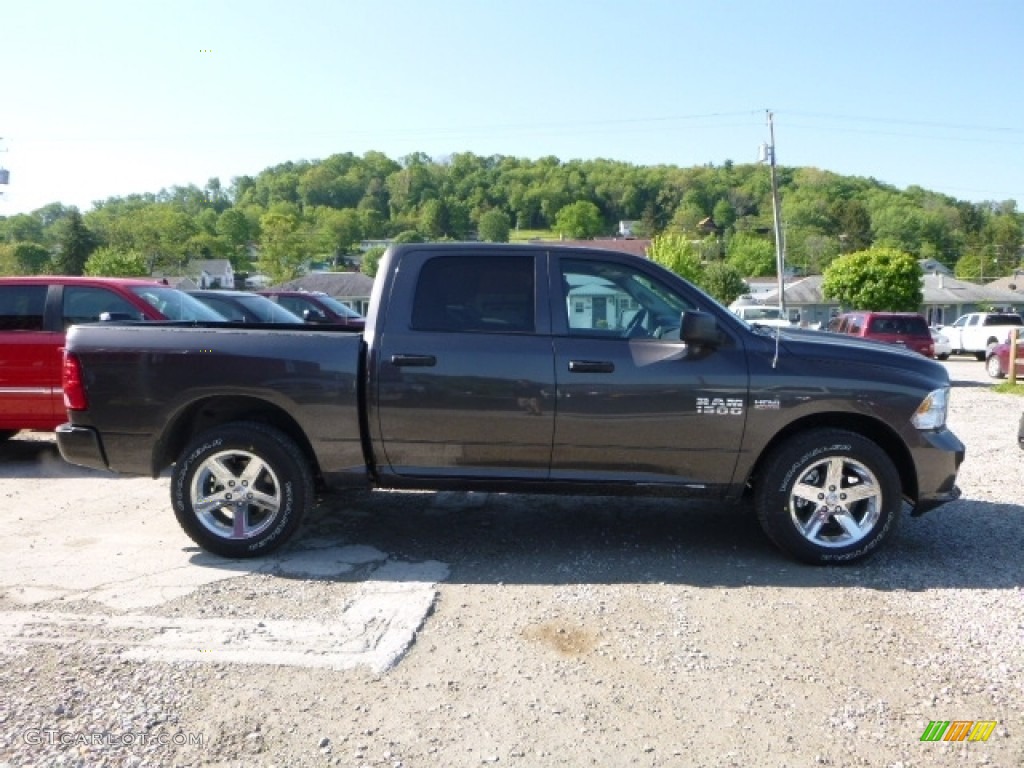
(780, 255)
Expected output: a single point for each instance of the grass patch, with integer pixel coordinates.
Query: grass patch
(1006, 388)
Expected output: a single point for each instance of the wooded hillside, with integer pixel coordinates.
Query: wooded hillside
(320, 210)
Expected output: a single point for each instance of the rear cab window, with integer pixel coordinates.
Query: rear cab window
(1004, 320)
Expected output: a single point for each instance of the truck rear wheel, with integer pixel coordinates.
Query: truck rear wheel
(828, 496)
(241, 489)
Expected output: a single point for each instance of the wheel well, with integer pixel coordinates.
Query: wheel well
(206, 414)
(876, 431)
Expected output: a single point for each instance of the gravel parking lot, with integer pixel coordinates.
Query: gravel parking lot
(462, 630)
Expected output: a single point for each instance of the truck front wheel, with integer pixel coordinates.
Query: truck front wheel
(828, 496)
(240, 490)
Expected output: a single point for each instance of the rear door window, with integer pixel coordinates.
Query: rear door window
(476, 295)
(21, 307)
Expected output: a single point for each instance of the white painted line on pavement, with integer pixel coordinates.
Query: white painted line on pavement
(374, 629)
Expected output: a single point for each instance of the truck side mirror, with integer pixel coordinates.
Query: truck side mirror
(698, 329)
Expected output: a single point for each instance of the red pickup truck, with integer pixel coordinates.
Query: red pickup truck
(35, 313)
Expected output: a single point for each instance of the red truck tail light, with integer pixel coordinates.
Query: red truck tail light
(74, 388)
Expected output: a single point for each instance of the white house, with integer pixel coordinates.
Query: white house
(212, 273)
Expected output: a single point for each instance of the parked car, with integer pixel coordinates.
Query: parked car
(35, 313)
(245, 307)
(906, 329)
(997, 364)
(943, 348)
(316, 307)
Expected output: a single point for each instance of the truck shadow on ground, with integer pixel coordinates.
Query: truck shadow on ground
(36, 455)
(523, 539)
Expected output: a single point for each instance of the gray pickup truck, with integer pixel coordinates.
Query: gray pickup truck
(532, 368)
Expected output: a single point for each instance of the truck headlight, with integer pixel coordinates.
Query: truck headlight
(931, 413)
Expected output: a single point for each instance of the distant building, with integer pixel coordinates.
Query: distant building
(635, 246)
(211, 273)
(933, 266)
(944, 298)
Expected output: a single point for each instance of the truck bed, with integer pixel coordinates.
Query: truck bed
(178, 373)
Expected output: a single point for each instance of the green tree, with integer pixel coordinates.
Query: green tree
(686, 219)
(878, 279)
(338, 231)
(579, 221)
(111, 262)
(408, 236)
(1004, 232)
(854, 225)
(433, 220)
(234, 229)
(751, 255)
(75, 243)
(22, 228)
(282, 254)
(494, 227)
(30, 258)
(677, 254)
(371, 260)
(723, 281)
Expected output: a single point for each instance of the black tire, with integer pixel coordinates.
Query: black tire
(262, 460)
(7, 434)
(980, 356)
(993, 368)
(942, 357)
(842, 529)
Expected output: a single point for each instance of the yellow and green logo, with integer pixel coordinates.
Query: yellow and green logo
(959, 730)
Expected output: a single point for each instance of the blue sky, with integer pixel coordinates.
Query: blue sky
(112, 97)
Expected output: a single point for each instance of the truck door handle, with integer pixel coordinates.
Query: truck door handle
(413, 361)
(591, 366)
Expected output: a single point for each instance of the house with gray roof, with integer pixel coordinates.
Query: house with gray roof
(944, 299)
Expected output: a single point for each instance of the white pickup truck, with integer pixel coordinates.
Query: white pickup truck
(760, 314)
(977, 332)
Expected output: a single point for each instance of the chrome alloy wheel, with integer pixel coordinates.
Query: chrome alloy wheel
(235, 494)
(836, 502)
